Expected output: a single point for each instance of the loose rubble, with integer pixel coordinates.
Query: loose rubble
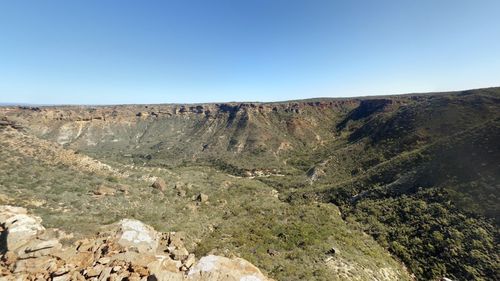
(127, 250)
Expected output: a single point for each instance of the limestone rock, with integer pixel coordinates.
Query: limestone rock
(7, 211)
(202, 197)
(9, 258)
(166, 276)
(175, 239)
(65, 277)
(103, 190)
(133, 258)
(181, 193)
(164, 263)
(104, 260)
(160, 184)
(216, 268)
(35, 265)
(123, 188)
(21, 226)
(37, 248)
(94, 271)
(135, 234)
(189, 261)
(81, 259)
(105, 273)
(130, 250)
(141, 270)
(180, 254)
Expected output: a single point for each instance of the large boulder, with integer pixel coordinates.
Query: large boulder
(216, 268)
(137, 235)
(21, 227)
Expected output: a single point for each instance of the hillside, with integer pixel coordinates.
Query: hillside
(396, 185)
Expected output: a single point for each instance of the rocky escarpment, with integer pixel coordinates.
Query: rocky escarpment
(151, 133)
(142, 134)
(127, 250)
(128, 112)
(264, 133)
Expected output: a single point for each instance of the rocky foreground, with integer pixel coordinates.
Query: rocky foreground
(127, 250)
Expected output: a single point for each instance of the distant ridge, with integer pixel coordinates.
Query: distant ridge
(313, 99)
(22, 104)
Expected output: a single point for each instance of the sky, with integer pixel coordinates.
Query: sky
(193, 51)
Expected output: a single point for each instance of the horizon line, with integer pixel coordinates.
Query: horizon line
(7, 104)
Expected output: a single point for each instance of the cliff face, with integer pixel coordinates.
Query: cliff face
(128, 112)
(180, 132)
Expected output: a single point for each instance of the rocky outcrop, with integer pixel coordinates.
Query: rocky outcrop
(4, 123)
(127, 250)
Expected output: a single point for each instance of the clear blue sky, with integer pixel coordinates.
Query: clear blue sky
(103, 51)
